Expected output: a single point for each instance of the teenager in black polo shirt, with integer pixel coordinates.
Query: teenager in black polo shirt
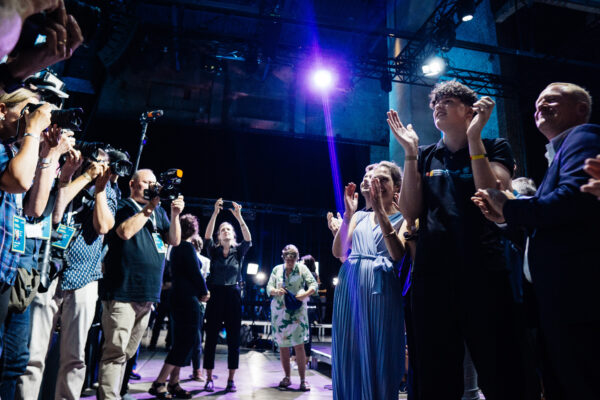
(225, 304)
(461, 290)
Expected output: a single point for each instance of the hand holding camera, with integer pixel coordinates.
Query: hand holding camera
(177, 206)
(39, 119)
(72, 163)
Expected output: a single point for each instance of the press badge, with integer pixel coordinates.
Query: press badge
(67, 233)
(46, 227)
(18, 237)
(159, 243)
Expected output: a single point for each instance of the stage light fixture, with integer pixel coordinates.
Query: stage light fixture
(260, 278)
(466, 10)
(335, 281)
(435, 66)
(322, 79)
(252, 269)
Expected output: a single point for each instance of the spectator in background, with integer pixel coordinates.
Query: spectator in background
(225, 304)
(197, 353)
(189, 288)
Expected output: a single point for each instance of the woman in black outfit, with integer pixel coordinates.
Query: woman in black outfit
(189, 288)
(225, 305)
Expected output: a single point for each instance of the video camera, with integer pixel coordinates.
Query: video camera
(167, 187)
(118, 160)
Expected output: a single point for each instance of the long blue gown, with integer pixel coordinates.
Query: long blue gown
(368, 323)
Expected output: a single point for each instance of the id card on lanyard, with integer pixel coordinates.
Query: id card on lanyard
(18, 231)
(159, 243)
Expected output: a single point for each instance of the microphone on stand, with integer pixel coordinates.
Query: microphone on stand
(151, 115)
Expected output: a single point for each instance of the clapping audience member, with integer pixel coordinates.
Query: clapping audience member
(369, 294)
(459, 254)
(563, 268)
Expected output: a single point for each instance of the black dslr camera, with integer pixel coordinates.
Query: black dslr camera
(118, 160)
(167, 187)
(68, 118)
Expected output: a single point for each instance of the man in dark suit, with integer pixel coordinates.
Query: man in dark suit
(561, 257)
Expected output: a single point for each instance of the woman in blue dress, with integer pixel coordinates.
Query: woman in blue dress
(368, 326)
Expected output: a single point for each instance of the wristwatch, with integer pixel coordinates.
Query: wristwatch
(9, 83)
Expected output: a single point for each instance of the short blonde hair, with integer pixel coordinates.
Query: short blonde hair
(577, 93)
(16, 97)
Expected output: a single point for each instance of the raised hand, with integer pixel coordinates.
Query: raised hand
(483, 109)
(218, 205)
(236, 210)
(74, 161)
(350, 200)
(406, 136)
(334, 223)
(177, 206)
(103, 178)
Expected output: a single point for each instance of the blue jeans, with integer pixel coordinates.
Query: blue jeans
(16, 335)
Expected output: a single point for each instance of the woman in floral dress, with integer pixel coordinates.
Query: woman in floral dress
(290, 328)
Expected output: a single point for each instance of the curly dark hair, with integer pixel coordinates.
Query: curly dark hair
(189, 226)
(452, 89)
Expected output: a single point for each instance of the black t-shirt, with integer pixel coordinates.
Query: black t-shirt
(453, 233)
(133, 268)
(225, 270)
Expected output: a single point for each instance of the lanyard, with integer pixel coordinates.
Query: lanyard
(152, 216)
(18, 196)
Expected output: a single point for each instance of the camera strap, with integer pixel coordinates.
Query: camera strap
(152, 215)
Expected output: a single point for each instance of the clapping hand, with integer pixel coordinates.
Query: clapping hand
(350, 200)
(376, 200)
(483, 109)
(406, 136)
(334, 223)
(592, 167)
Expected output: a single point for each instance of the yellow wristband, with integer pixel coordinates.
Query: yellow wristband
(478, 156)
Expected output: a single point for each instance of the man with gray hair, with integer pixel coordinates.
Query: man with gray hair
(561, 256)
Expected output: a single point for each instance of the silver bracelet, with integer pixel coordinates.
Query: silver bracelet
(32, 135)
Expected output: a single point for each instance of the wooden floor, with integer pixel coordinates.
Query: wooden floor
(257, 378)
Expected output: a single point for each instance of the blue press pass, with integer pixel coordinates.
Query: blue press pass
(67, 233)
(18, 237)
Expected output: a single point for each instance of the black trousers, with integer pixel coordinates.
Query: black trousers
(449, 310)
(223, 308)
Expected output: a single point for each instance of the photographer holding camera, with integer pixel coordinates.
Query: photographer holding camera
(85, 208)
(21, 170)
(133, 274)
